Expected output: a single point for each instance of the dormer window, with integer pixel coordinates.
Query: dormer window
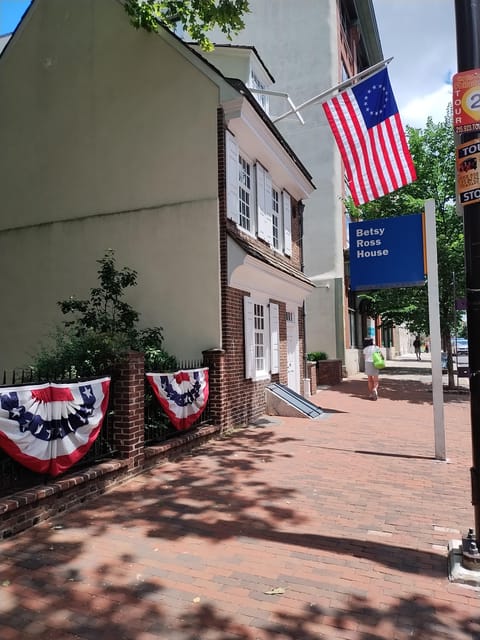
(261, 98)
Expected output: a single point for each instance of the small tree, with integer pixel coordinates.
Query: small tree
(103, 331)
(104, 312)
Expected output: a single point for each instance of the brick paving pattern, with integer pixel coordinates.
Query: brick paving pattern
(291, 529)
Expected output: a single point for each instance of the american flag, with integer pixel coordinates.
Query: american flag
(367, 128)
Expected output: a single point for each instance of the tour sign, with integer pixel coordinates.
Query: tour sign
(468, 172)
(387, 253)
(466, 101)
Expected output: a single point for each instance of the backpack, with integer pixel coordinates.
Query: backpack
(378, 361)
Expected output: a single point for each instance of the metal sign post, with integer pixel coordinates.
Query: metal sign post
(467, 17)
(434, 322)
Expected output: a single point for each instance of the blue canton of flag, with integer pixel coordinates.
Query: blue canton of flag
(375, 98)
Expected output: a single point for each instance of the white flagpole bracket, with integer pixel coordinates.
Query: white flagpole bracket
(280, 94)
(321, 97)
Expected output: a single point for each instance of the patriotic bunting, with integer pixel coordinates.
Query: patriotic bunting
(183, 395)
(49, 427)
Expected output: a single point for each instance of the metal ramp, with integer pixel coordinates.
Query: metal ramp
(283, 401)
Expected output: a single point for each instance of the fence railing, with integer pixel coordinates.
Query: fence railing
(157, 427)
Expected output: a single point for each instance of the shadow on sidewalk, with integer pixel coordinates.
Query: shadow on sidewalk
(213, 495)
(390, 388)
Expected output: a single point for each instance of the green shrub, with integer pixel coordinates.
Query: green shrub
(103, 330)
(315, 356)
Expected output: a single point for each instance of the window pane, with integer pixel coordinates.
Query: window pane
(244, 193)
(276, 218)
(259, 325)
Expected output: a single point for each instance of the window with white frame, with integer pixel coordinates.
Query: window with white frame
(254, 203)
(259, 337)
(276, 220)
(245, 193)
(261, 98)
(261, 328)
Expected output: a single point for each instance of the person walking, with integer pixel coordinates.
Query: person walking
(416, 345)
(370, 369)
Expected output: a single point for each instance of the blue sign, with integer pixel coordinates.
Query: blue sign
(387, 253)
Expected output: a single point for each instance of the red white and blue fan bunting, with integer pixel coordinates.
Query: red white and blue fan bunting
(48, 427)
(183, 395)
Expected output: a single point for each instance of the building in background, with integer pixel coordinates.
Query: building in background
(311, 46)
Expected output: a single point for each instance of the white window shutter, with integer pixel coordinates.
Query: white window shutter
(232, 174)
(274, 339)
(269, 208)
(287, 223)
(248, 328)
(264, 215)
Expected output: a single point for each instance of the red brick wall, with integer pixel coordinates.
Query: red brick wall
(129, 402)
(214, 359)
(329, 372)
(246, 398)
(312, 375)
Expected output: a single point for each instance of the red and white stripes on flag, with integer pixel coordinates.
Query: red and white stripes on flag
(48, 427)
(367, 128)
(183, 395)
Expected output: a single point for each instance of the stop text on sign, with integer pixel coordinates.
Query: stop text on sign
(468, 172)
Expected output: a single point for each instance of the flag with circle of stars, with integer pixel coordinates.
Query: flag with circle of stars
(49, 427)
(369, 133)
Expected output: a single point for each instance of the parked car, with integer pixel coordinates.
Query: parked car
(460, 346)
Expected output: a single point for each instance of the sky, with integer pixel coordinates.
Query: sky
(419, 34)
(10, 13)
(421, 37)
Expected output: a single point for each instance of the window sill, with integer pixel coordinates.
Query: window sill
(261, 377)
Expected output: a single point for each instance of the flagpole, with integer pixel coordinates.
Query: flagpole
(346, 83)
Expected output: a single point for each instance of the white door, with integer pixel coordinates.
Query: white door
(293, 374)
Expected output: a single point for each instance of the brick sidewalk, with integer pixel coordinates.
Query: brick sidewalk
(344, 520)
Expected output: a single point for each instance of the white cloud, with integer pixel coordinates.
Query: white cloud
(420, 36)
(416, 111)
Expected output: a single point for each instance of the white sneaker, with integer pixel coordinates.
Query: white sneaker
(375, 395)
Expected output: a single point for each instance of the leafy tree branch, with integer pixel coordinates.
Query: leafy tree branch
(196, 17)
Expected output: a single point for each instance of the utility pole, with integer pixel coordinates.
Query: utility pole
(467, 18)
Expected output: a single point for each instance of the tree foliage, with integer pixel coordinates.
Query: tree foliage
(103, 329)
(433, 152)
(197, 17)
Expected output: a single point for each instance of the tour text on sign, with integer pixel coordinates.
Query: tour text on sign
(466, 101)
